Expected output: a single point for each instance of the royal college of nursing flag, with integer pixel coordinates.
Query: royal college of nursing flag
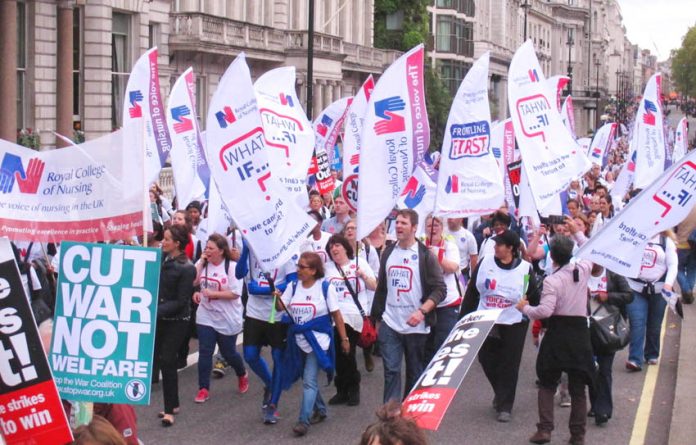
(550, 155)
(289, 135)
(681, 142)
(270, 220)
(648, 135)
(189, 166)
(395, 137)
(352, 141)
(601, 141)
(143, 100)
(326, 129)
(662, 205)
(557, 84)
(469, 181)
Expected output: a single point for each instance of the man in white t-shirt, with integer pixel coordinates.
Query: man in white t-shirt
(409, 288)
(317, 239)
(468, 250)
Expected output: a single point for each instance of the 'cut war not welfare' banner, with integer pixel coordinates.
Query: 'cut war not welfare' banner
(30, 409)
(104, 327)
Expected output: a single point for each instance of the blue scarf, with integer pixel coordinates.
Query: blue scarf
(292, 362)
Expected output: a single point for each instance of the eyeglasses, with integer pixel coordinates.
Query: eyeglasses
(350, 228)
(303, 266)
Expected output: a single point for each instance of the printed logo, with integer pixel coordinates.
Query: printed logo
(181, 123)
(648, 116)
(390, 122)
(490, 284)
(135, 110)
(225, 117)
(452, 185)
(324, 125)
(135, 390)
(12, 170)
(533, 114)
(413, 193)
(533, 75)
(631, 166)
(596, 152)
(286, 99)
(470, 140)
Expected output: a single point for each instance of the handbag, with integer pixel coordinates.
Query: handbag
(368, 335)
(609, 330)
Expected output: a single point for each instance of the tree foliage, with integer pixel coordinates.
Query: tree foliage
(415, 30)
(684, 64)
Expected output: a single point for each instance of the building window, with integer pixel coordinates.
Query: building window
(395, 20)
(464, 6)
(77, 69)
(120, 65)
(452, 73)
(454, 36)
(21, 65)
(153, 37)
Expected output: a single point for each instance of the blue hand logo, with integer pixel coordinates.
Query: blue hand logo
(11, 164)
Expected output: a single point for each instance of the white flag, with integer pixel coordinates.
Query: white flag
(601, 141)
(419, 195)
(289, 135)
(662, 205)
(568, 116)
(352, 140)
(469, 182)
(189, 166)
(503, 147)
(271, 221)
(327, 126)
(648, 136)
(556, 84)
(551, 156)
(395, 137)
(143, 100)
(681, 140)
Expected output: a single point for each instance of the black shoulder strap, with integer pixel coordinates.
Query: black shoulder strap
(227, 266)
(26, 255)
(351, 290)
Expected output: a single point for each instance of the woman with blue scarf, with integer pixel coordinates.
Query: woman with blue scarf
(310, 344)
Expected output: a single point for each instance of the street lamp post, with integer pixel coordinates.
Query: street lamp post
(570, 44)
(526, 5)
(597, 65)
(310, 58)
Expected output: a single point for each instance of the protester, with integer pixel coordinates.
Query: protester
(611, 290)
(392, 428)
(310, 336)
(316, 203)
(378, 238)
(501, 285)
(98, 432)
(500, 222)
(646, 311)
(351, 278)
(194, 210)
(466, 243)
(173, 312)
(566, 345)
(362, 250)
(219, 316)
(261, 325)
(316, 241)
(409, 288)
(447, 310)
(341, 216)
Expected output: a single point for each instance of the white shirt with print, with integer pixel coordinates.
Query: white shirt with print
(404, 290)
(308, 304)
(349, 311)
(317, 246)
(222, 314)
(260, 307)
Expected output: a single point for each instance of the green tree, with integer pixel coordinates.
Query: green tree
(412, 31)
(684, 64)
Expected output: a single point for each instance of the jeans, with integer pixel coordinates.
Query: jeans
(645, 316)
(447, 317)
(686, 276)
(600, 393)
(394, 347)
(311, 397)
(207, 337)
(169, 336)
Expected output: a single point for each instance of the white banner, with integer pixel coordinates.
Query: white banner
(550, 154)
(352, 138)
(88, 192)
(503, 147)
(143, 100)
(395, 137)
(556, 84)
(681, 140)
(327, 126)
(469, 183)
(648, 136)
(568, 116)
(272, 222)
(625, 179)
(419, 195)
(289, 135)
(600, 143)
(189, 166)
(662, 205)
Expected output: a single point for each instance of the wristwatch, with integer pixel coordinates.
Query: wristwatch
(422, 311)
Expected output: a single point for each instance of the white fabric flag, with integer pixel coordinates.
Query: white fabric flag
(327, 126)
(556, 84)
(270, 220)
(289, 135)
(189, 166)
(568, 116)
(648, 136)
(550, 154)
(352, 141)
(625, 179)
(88, 192)
(503, 147)
(662, 205)
(419, 195)
(395, 137)
(600, 143)
(469, 183)
(143, 100)
(681, 140)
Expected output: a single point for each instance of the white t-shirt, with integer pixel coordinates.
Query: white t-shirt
(449, 251)
(656, 263)
(222, 314)
(34, 281)
(501, 288)
(404, 290)
(317, 246)
(260, 307)
(349, 311)
(466, 243)
(308, 304)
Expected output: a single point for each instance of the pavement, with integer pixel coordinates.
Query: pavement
(682, 427)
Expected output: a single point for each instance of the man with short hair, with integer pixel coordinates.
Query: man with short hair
(336, 223)
(317, 239)
(410, 286)
(466, 243)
